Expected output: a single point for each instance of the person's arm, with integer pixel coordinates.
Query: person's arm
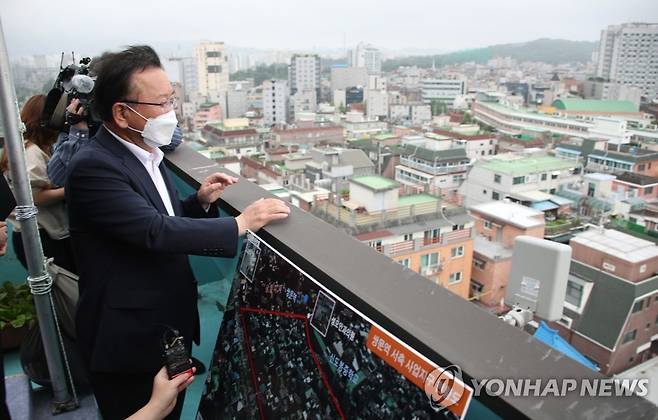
(164, 396)
(102, 196)
(48, 196)
(3, 238)
(67, 145)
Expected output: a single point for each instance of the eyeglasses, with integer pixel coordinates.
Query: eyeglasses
(170, 103)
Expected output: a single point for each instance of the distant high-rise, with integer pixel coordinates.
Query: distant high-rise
(275, 102)
(184, 71)
(304, 74)
(365, 55)
(212, 70)
(628, 54)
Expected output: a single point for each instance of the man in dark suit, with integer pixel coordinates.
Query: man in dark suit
(132, 234)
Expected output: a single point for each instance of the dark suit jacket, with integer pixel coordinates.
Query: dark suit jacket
(135, 276)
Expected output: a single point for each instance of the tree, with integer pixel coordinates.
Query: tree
(438, 107)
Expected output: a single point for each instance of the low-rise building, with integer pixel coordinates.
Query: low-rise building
(513, 176)
(234, 136)
(207, 112)
(326, 134)
(636, 185)
(497, 225)
(516, 121)
(417, 231)
(608, 158)
(611, 303)
(438, 172)
(476, 146)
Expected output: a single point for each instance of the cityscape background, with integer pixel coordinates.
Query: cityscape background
(435, 135)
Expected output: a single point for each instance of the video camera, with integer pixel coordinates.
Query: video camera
(73, 82)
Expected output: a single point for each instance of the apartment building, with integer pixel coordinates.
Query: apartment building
(517, 177)
(611, 304)
(417, 231)
(497, 224)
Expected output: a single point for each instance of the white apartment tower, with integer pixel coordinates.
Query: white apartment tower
(213, 69)
(304, 74)
(365, 55)
(628, 54)
(275, 102)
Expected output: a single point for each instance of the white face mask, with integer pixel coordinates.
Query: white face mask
(159, 130)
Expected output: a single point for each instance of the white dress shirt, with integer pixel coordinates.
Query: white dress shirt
(151, 162)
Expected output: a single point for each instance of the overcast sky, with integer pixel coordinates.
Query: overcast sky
(90, 26)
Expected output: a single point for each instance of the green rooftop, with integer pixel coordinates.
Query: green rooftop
(529, 165)
(384, 136)
(374, 182)
(594, 105)
(525, 137)
(409, 200)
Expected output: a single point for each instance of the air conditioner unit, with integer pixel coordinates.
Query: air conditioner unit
(431, 270)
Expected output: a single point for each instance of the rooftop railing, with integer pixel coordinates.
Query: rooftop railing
(433, 321)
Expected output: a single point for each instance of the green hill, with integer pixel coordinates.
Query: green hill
(551, 51)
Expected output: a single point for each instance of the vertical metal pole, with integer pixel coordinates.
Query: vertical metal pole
(31, 241)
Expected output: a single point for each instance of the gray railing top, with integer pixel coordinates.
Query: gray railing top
(437, 323)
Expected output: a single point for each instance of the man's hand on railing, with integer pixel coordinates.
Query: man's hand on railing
(213, 186)
(260, 213)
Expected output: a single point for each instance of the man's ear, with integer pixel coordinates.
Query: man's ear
(119, 114)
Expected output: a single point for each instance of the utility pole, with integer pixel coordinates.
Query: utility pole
(38, 279)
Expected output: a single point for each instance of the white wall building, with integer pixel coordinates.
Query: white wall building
(443, 90)
(275, 102)
(303, 102)
(376, 104)
(628, 54)
(212, 71)
(420, 114)
(304, 74)
(365, 55)
(517, 177)
(346, 77)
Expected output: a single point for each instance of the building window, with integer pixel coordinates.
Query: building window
(487, 224)
(457, 252)
(408, 237)
(648, 190)
(214, 69)
(476, 288)
(429, 260)
(638, 306)
(630, 336)
(544, 177)
(432, 236)
(484, 191)
(574, 294)
(405, 262)
(518, 180)
(455, 277)
(495, 195)
(641, 167)
(213, 54)
(479, 264)
(497, 179)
